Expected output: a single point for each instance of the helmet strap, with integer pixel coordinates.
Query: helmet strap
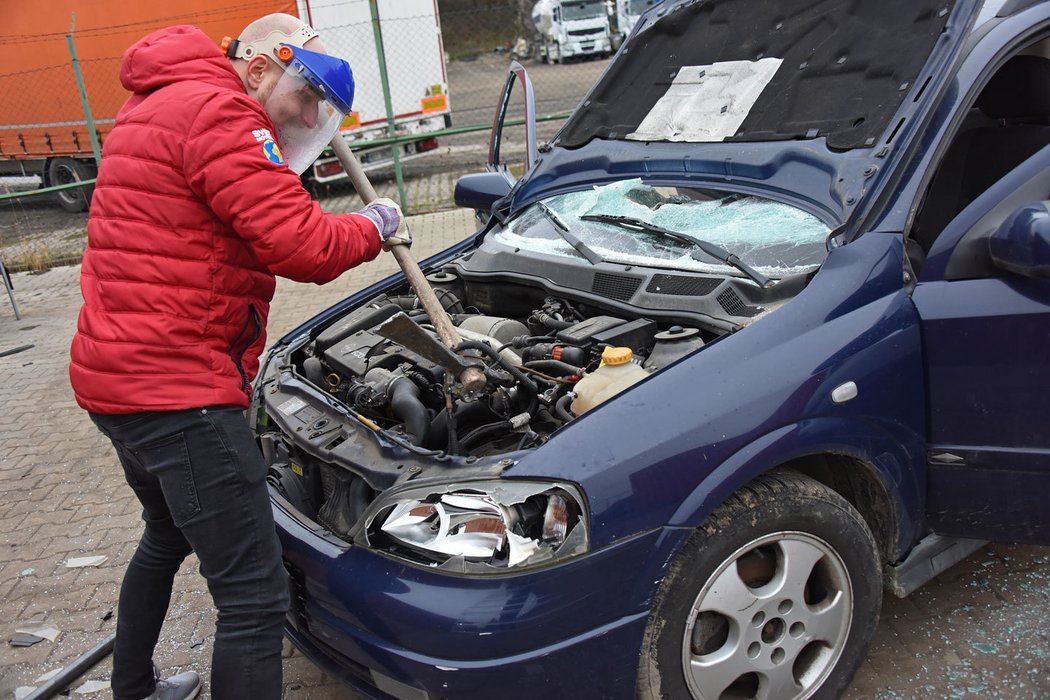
(268, 45)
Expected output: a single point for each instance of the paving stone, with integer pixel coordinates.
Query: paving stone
(303, 671)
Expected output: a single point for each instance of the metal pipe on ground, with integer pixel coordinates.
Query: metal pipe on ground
(472, 378)
(75, 670)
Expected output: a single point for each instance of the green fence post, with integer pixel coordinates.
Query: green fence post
(373, 8)
(83, 92)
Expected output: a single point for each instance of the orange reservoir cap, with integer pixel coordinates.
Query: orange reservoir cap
(616, 356)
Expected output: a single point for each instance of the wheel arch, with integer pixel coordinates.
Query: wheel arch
(873, 472)
(864, 488)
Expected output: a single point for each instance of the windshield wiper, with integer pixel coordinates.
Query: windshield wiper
(715, 251)
(563, 231)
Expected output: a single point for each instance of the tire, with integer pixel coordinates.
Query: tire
(62, 171)
(776, 596)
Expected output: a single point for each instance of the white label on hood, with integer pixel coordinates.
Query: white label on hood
(291, 405)
(707, 103)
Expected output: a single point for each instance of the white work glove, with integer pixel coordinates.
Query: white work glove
(389, 222)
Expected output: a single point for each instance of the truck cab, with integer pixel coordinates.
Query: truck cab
(627, 14)
(571, 29)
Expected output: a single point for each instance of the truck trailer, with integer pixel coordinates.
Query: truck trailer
(43, 121)
(415, 62)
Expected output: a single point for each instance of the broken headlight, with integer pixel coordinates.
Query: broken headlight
(480, 526)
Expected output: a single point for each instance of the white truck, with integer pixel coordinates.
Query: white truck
(415, 63)
(627, 14)
(571, 29)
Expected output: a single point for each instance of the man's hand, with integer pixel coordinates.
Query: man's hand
(389, 221)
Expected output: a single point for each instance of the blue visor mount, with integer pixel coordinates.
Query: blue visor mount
(331, 77)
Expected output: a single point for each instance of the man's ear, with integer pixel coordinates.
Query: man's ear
(256, 71)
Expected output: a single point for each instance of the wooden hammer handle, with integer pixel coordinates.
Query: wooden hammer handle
(472, 378)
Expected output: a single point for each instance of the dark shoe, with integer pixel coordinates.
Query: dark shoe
(184, 686)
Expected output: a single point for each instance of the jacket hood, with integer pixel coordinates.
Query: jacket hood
(173, 55)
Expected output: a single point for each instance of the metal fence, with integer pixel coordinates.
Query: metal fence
(479, 39)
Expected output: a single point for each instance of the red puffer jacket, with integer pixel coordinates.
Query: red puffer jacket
(190, 220)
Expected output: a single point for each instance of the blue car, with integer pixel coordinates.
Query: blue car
(762, 332)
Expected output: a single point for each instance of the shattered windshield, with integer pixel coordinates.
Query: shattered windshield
(776, 239)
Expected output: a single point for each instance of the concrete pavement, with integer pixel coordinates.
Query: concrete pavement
(978, 631)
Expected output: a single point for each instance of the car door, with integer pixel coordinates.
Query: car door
(986, 336)
(479, 191)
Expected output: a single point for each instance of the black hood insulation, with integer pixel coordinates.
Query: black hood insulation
(847, 66)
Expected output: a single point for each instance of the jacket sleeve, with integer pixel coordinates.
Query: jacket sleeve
(231, 162)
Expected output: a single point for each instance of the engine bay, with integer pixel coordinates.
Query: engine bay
(534, 348)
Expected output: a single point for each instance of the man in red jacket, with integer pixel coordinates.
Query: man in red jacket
(197, 206)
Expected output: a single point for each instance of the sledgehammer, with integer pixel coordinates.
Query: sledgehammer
(472, 378)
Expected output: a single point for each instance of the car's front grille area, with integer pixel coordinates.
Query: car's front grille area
(586, 32)
(619, 287)
(683, 286)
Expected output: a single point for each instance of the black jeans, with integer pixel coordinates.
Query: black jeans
(201, 480)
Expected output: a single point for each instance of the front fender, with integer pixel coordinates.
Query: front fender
(889, 456)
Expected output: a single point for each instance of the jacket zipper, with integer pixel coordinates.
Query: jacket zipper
(238, 356)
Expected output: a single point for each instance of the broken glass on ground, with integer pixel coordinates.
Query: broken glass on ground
(79, 562)
(48, 633)
(22, 639)
(92, 687)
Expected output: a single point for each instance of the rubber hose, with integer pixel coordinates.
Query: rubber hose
(554, 367)
(551, 322)
(405, 403)
(314, 371)
(449, 301)
(523, 341)
(482, 432)
(561, 408)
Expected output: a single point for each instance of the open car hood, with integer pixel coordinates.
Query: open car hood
(762, 70)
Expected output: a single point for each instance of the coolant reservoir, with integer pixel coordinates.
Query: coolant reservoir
(614, 374)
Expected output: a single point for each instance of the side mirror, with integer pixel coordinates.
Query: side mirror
(481, 190)
(1021, 244)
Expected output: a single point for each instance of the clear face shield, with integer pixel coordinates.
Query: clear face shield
(306, 122)
(310, 99)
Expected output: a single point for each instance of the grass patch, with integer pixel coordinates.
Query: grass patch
(75, 235)
(37, 257)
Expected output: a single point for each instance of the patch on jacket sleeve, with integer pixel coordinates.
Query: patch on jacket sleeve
(273, 152)
(270, 148)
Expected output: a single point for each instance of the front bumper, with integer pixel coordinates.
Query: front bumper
(589, 47)
(390, 630)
